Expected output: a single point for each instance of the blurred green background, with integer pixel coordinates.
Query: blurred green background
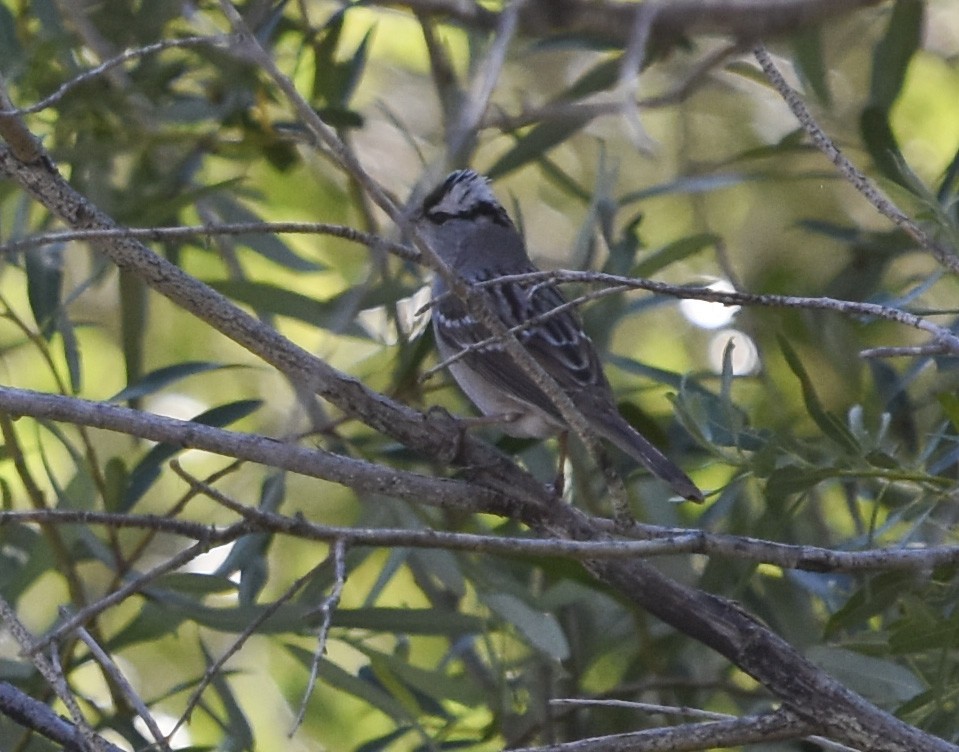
(432, 649)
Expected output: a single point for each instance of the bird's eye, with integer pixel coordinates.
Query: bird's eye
(439, 217)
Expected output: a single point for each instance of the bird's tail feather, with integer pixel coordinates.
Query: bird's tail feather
(623, 435)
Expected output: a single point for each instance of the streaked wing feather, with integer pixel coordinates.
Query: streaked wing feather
(557, 343)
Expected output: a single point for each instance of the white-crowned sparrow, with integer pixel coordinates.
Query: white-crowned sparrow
(469, 229)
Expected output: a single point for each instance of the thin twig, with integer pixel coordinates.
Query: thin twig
(110, 667)
(133, 54)
(326, 609)
(653, 540)
(869, 190)
(134, 585)
(674, 710)
(464, 131)
(947, 338)
(248, 631)
(190, 232)
(50, 671)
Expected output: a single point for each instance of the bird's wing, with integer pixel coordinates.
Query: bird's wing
(556, 341)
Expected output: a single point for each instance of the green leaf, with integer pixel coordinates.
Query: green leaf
(874, 597)
(807, 48)
(195, 583)
(238, 733)
(167, 609)
(536, 142)
(147, 470)
(884, 682)
(44, 269)
(949, 402)
(882, 146)
(325, 67)
(600, 77)
(674, 252)
(71, 350)
(341, 117)
(385, 741)
(337, 313)
(828, 423)
(267, 245)
(433, 683)
(409, 621)
(25, 557)
(248, 555)
(365, 690)
(133, 323)
(894, 51)
(792, 479)
(162, 377)
(540, 629)
(922, 629)
(416, 701)
(117, 479)
(355, 66)
(690, 184)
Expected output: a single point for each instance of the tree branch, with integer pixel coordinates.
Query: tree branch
(612, 21)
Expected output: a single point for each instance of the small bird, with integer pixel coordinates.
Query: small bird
(470, 231)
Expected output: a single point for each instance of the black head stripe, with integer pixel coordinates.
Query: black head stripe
(464, 195)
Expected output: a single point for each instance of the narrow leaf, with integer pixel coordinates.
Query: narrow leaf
(540, 629)
(162, 377)
(807, 47)
(882, 681)
(894, 51)
(536, 142)
(148, 469)
(827, 422)
(44, 268)
(882, 146)
(674, 252)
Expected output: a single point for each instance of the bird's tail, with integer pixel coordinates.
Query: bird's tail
(623, 435)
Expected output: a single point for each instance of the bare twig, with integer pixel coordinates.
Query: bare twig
(654, 541)
(316, 463)
(326, 609)
(758, 721)
(36, 716)
(941, 336)
(769, 727)
(463, 134)
(212, 230)
(134, 585)
(50, 671)
(110, 64)
(869, 190)
(110, 667)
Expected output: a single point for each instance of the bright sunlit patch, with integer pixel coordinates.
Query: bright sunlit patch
(209, 562)
(744, 357)
(412, 319)
(166, 723)
(710, 315)
(173, 405)
(770, 570)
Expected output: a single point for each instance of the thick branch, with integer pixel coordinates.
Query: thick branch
(357, 474)
(40, 178)
(33, 714)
